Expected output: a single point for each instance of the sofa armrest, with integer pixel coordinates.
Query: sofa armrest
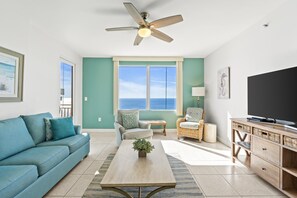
(77, 129)
(144, 125)
(178, 121)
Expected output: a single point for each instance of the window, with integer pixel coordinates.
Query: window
(132, 87)
(163, 88)
(66, 89)
(147, 87)
(157, 82)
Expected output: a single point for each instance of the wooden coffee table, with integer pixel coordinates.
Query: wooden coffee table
(127, 170)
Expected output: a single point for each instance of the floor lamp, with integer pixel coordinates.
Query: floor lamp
(198, 91)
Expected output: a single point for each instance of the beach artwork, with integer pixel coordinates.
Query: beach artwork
(11, 67)
(8, 78)
(224, 83)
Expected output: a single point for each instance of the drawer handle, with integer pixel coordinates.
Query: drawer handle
(263, 169)
(264, 149)
(264, 133)
(239, 126)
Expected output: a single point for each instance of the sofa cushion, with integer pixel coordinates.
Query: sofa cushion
(36, 126)
(73, 142)
(45, 158)
(15, 179)
(189, 125)
(137, 133)
(130, 120)
(62, 128)
(14, 137)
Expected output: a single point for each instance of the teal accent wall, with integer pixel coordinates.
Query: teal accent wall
(98, 88)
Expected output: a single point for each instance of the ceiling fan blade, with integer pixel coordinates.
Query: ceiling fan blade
(167, 21)
(137, 40)
(121, 28)
(134, 13)
(161, 35)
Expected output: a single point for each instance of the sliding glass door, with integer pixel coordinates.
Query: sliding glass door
(66, 89)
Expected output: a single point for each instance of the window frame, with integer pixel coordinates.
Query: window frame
(179, 78)
(148, 85)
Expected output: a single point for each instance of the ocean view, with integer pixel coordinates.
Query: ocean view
(140, 103)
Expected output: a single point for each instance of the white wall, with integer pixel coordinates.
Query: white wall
(257, 50)
(41, 88)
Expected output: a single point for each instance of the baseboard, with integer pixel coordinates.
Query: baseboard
(167, 130)
(98, 130)
(222, 141)
(113, 130)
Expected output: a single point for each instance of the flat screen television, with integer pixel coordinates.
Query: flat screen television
(274, 95)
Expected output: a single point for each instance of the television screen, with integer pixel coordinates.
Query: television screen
(274, 95)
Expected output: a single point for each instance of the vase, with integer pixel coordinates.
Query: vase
(141, 154)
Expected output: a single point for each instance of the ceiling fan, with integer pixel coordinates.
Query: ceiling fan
(145, 28)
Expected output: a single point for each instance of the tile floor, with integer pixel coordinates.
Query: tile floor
(209, 163)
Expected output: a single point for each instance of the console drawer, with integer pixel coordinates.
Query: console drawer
(266, 150)
(266, 170)
(241, 127)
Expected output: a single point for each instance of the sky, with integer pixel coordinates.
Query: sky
(132, 82)
(65, 79)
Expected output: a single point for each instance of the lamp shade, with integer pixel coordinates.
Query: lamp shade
(198, 91)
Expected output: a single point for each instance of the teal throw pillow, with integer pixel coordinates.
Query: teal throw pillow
(130, 120)
(62, 128)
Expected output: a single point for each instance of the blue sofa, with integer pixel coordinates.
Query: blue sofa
(29, 165)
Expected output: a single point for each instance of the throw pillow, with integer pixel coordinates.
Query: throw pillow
(194, 114)
(62, 128)
(48, 129)
(130, 120)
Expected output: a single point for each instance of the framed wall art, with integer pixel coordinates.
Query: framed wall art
(11, 75)
(224, 83)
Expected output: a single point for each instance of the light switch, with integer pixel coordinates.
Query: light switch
(86, 99)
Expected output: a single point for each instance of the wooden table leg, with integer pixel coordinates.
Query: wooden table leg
(164, 129)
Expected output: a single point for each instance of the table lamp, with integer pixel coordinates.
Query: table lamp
(198, 91)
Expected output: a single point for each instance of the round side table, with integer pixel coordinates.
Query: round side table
(210, 132)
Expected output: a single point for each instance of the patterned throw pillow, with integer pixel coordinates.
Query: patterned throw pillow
(194, 114)
(48, 129)
(130, 120)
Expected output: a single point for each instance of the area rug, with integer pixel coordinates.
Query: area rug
(185, 184)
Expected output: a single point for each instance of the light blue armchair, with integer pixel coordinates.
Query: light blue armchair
(143, 129)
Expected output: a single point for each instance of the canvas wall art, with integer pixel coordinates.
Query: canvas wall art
(11, 75)
(224, 83)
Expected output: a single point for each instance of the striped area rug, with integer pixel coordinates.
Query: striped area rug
(185, 187)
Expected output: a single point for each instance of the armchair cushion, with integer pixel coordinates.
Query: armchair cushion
(137, 133)
(194, 114)
(189, 125)
(130, 120)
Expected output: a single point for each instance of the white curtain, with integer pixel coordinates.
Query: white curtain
(179, 88)
(115, 87)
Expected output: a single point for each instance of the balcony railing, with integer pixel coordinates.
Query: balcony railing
(65, 110)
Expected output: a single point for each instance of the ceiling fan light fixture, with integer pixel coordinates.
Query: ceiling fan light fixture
(144, 32)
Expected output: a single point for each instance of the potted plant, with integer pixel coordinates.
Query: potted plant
(143, 147)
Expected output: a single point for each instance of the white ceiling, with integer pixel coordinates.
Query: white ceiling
(207, 25)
